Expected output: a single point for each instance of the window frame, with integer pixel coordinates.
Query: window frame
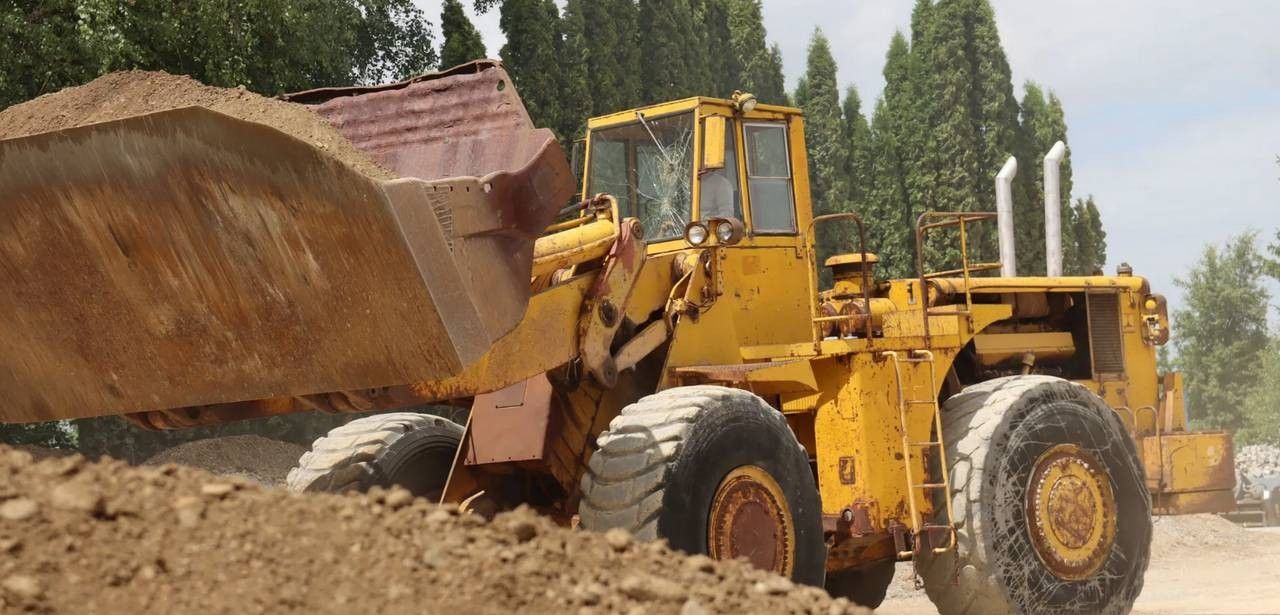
(785, 127)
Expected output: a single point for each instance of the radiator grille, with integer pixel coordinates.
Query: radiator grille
(1104, 333)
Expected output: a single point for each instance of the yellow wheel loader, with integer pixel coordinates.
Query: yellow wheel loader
(654, 355)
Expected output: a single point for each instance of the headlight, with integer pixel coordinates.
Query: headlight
(724, 232)
(695, 234)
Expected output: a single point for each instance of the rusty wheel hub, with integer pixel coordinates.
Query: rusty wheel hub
(750, 519)
(1071, 512)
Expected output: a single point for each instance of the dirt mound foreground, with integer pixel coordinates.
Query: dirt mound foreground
(81, 537)
(125, 94)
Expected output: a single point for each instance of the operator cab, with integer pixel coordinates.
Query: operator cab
(723, 165)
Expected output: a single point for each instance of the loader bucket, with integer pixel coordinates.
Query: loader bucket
(187, 258)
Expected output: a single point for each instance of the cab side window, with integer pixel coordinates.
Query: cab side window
(769, 179)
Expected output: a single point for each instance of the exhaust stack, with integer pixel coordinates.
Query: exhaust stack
(1004, 217)
(1053, 210)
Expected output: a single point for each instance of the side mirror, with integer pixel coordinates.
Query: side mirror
(713, 128)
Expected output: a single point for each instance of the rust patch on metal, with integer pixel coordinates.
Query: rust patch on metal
(750, 519)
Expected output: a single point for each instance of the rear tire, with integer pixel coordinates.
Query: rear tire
(866, 587)
(1035, 465)
(680, 462)
(412, 450)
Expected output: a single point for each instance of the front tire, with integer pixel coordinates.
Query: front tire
(712, 470)
(1051, 507)
(408, 449)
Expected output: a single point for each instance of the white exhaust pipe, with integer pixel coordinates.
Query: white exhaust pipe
(1004, 217)
(1053, 210)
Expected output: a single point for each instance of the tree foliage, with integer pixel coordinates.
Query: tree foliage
(760, 64)
(533, 39)
(1221, 331)
(462, 42)
(269, 46)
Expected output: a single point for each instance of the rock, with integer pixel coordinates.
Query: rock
(76, 497)
(776, 586)
(23, 586)
(524, 530)
(18, 509)
(700, 563)
(398, 498)
(439, 515)
(189, 510)
(618, 539)
(648, 588)
(692, 607)
(588, 594)
(217, 490)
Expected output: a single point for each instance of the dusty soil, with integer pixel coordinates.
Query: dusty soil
(1199, 564)
(262, 460)
(127, 93)
(80, 537)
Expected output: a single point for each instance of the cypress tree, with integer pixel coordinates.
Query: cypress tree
(895, 130)
(856, 135)
(612, 56)
(820, 100)
(723, 67)
(575, 89)
(462, 42)
(760, 66)
(533, 32)
(671, 72)
(1088, 239)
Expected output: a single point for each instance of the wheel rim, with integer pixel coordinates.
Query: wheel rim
(1071, 512)
(750, 519)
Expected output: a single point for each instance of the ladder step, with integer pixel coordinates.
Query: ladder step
(921, 402)
(926, 444)
(929, 485)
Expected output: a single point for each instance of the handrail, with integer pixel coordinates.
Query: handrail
(948, 218)
(814, 304)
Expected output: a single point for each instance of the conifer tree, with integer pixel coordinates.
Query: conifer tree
(533, 32)
(760, 66)
(612, 56)
(891, 212)
(856, 134)
(575, 87)
(668, 41)
(827, 150)
(1088, 239)
(462, 42)
(723, 67)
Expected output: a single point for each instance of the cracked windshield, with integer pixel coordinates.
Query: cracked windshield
(650, 171)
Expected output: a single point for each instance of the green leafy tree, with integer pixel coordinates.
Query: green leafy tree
(269, 46)
(533, 39)
(52, 434)
(1220, 333)
(462, 42)
(1262, 404)
(760, 65)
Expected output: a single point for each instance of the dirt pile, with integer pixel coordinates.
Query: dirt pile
(262, 460)
(1196, 535)
(124, 94)
(109, 538)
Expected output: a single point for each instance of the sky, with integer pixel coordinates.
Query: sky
(1173, 107)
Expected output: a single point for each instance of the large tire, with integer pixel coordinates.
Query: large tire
(866, 587)
(412, 450)
(666, 459)
(998, 435)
